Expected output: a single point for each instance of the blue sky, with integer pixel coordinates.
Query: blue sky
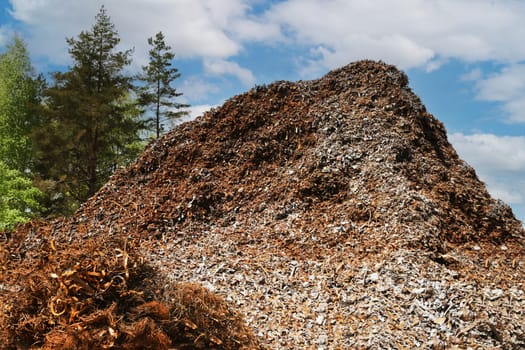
(464, 58)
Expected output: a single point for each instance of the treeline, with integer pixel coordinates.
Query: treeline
(60, 140)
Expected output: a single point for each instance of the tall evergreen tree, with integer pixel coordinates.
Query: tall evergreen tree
(87, 127)
(157, 91)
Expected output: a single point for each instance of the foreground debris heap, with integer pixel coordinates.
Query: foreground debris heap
(330, 213)
(99, 294)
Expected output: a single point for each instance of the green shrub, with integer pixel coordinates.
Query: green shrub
(19, 200)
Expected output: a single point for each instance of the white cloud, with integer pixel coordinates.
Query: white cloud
(197, 111)
(507, 87)
(222, 67)
(255, 29)
(492, 153)
(514, 195)
(191, 27)
(50, 22)
(501, 86)
(408, 33)
(499, 161)
(194, 28)
(5, 35)
(196, 89)
(193, 112)
(473, 75)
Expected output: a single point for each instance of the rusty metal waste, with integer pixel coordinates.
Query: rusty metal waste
(321, 214)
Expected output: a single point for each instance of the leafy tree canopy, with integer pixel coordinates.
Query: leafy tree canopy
(19, 95)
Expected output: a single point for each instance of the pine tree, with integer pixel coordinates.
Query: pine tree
(87, 125)
(157, 91)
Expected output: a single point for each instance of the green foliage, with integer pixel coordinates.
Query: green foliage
(19, 96)
(157, 78)
(19, 200)
(88, 122)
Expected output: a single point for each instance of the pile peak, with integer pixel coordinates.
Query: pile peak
(355, 146)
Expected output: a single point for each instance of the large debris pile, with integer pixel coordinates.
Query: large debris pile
(330, 213)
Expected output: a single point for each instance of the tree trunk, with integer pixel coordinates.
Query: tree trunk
(158, 108)
(92, 163)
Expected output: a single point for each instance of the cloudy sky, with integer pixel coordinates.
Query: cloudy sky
(464, 58)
